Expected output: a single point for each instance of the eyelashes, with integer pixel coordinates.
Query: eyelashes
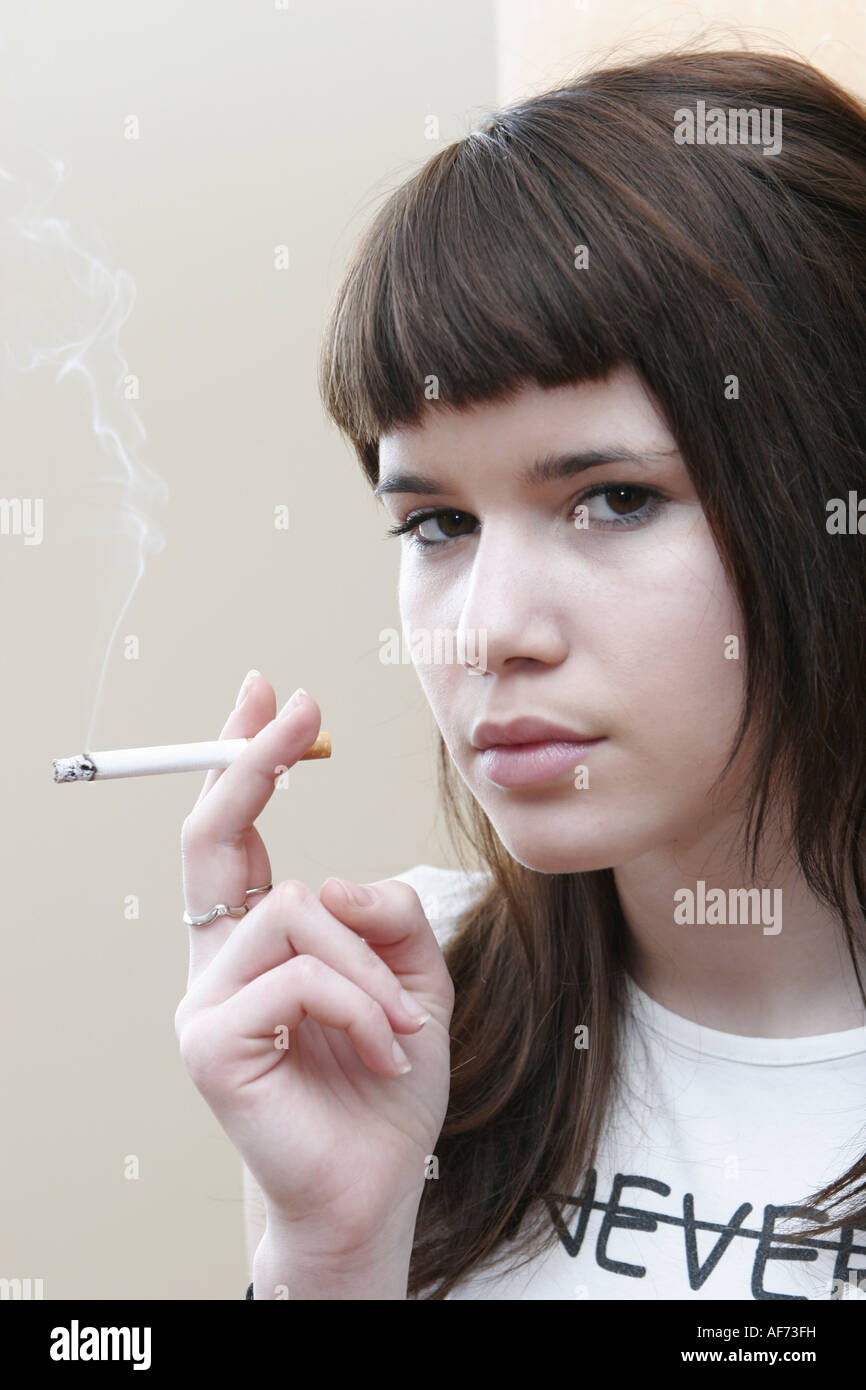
(410, 526)
(653, 503)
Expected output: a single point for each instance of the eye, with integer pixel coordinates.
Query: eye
(449, 522)
(625, 504)
(631, 505)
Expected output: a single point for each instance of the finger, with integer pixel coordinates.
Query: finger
(225, 873)
(393, 922)
(270, 1008)
(256, 704)
(241, 793)
(292, 921)
(217, 831)
(251, 869)
(254, 707)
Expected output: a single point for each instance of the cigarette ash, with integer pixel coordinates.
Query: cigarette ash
(81, 768)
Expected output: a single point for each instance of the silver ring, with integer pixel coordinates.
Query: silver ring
(223, 910)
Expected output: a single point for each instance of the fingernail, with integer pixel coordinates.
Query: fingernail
(413, 1008)
(245, 688)
(357, 893)
(293, 702)
(401, 1059)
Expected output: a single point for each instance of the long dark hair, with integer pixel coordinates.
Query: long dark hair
(704, 262)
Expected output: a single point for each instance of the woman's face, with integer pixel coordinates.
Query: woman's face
(609, 615)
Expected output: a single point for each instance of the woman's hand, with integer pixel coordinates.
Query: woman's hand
(288, 1024)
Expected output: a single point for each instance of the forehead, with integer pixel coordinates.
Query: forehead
(533, 420)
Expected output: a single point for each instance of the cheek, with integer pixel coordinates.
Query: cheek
(410, 593)
(425, 611)
(440, 680)
(421, 591)
(676, 666)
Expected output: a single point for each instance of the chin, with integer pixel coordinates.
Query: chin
(558, 859)
(548, 853)
(554, 840)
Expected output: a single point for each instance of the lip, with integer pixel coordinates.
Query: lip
(524, 730)
(527, 750)
(524, 764)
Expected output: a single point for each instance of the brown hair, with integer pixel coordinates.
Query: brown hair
(703, 260)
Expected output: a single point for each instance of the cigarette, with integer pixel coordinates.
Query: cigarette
(168, 757)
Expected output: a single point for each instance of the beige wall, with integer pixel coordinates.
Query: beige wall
(257, 126)
(540, 44)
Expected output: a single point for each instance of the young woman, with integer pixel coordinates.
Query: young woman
(603, 361)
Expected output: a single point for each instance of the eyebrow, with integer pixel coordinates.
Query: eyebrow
(550, 468)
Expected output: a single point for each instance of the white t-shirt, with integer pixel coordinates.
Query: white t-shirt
(713, 1133)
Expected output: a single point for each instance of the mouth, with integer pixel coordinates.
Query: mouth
(523, 731)
(527, 751)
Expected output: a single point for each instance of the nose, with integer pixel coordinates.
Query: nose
(510, 612)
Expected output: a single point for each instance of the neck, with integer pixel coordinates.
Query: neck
(774, 964)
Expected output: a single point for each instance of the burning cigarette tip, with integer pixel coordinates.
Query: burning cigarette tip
(77, 769)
